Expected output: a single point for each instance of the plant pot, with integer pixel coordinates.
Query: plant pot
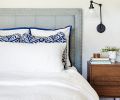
(104, 54)
(112, 55)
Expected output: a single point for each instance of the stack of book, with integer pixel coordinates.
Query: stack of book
(100, 61)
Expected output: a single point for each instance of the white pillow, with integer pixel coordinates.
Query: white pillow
(11, 31)
(48, 32)
(31, 58)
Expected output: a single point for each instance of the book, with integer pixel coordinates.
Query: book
(100, 61)
(96, 59)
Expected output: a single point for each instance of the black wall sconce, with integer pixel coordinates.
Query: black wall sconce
(100, 28)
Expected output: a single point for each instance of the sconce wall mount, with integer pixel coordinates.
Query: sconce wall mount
(101, 27)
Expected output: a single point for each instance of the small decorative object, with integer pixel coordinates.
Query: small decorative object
(101, 27)
(112, 53)
(96, 55)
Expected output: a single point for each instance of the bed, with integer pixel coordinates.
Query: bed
(50, 78)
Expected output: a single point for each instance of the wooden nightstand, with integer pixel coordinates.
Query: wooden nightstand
(105, 79)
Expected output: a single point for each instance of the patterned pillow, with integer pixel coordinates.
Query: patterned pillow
(47, 32)
(57, 38)
(10, 38)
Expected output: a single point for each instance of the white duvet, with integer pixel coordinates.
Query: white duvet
(66, 85)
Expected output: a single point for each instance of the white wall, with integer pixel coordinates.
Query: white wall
(92, 40)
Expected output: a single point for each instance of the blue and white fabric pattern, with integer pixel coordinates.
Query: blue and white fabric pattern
(10, 38)
(25, 38)
(57, 38)
(28, 38)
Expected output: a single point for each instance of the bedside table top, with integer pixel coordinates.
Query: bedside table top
(116, 63)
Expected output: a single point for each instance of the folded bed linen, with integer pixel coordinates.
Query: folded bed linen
(65, 85)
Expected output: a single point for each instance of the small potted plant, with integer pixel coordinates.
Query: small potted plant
(112, 52)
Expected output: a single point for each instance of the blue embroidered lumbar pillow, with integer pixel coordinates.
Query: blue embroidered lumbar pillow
(10, 38)
(57, 38)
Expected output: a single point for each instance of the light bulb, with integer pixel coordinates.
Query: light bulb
(91, 11)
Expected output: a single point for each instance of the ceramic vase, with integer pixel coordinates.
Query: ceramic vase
(112, 55)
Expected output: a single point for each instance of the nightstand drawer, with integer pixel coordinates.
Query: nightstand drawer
(105, 81)
(108, 91)
(105, 70)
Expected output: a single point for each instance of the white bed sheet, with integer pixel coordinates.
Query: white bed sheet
(66, 85)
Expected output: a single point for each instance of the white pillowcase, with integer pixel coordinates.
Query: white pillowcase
(12, 31)
(23, 58)
(48, 32)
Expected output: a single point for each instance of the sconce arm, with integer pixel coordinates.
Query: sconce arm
(100, 5)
